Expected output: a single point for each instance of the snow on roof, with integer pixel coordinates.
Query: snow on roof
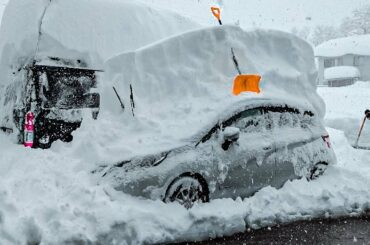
(93, 30)
(341, 72)
(86, 30)
(182, 86)
(359, 45)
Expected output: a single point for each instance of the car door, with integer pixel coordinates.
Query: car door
(249, 164)
(289, 137)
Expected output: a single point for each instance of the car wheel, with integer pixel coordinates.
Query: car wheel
(318, 170)
(187, 190)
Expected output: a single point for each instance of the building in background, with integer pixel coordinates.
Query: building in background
(343, 61)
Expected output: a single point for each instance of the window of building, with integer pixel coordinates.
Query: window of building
(356, 60)
(339, 61)
(329, 63)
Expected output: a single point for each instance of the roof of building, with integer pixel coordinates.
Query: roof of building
(358, 45)
(340, 72)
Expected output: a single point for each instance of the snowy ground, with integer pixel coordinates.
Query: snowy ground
(49, 196)
(345, 108)
(46, 197)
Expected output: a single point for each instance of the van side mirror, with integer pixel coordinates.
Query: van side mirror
(230, 135)
(91, 101)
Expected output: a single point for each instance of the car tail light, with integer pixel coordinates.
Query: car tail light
(326, 139)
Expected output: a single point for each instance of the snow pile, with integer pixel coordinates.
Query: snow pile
(358, 45)
(341, 72)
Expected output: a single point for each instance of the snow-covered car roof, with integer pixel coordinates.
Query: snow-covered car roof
(341, 72)
(358, 45)
(183, 85)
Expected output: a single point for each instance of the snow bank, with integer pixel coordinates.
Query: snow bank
(358, 45)
(341, 72)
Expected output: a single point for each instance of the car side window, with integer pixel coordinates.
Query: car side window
(269, 118)
(252, 120)
(248, 120)
(285, 117)
(263, 119)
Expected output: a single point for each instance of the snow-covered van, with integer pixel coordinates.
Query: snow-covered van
(52, 55)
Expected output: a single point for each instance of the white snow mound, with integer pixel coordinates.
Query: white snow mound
(341, 72)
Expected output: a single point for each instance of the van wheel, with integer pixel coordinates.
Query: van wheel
(187, 190)
(44, 142)
(318, 170)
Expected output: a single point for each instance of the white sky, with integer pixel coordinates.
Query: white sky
(275, 14)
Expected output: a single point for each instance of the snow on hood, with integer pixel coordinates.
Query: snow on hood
(341, 72)
(183, 85)
(359, 45)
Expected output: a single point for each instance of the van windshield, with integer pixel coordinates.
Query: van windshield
(66, 88)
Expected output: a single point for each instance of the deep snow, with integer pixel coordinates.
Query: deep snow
(50, 196)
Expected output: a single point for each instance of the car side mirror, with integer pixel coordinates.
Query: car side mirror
(230, 135)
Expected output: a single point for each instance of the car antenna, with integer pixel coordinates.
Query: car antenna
(119, 98)
(132, 101)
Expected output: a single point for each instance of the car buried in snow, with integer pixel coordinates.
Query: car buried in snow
(261, 143)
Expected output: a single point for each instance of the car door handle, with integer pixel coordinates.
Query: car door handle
(268, 148)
